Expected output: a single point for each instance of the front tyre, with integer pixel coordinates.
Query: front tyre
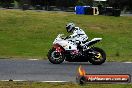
(99, 57)
(55, 57)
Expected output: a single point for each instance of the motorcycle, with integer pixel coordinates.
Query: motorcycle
(68, 50)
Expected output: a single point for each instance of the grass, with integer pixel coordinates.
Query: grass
(29, 34)
(59, 85)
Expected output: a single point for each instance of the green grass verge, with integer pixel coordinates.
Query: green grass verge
(29, 34)
(59, 85)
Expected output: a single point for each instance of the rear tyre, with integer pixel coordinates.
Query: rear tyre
(55, 57)
(99, 58)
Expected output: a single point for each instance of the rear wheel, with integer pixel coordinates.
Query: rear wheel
(55, 57)
(98, 58)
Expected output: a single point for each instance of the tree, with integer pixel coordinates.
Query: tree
(88, 2)
(123, 4)
(6, 3)
(85, 2)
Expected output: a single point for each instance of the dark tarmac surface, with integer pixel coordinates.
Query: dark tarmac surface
(41, 70)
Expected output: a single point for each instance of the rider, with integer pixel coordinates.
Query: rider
(77, 34)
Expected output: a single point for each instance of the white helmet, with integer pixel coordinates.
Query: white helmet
(70, 27)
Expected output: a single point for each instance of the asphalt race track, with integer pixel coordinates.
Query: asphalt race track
(41, 70)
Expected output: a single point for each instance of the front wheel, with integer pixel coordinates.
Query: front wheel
(99, 57)
(55, 57)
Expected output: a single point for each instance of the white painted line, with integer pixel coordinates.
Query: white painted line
(33, 59)
(53, 81)
(38, 81)
(127, 62)
(13, 80)
(4, 80)
(19, 80)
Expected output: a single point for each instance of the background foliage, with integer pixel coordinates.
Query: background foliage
(123, 4)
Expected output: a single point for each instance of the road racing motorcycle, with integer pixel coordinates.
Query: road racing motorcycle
(68, 50)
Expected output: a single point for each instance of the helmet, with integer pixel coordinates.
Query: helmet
(70, 27)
